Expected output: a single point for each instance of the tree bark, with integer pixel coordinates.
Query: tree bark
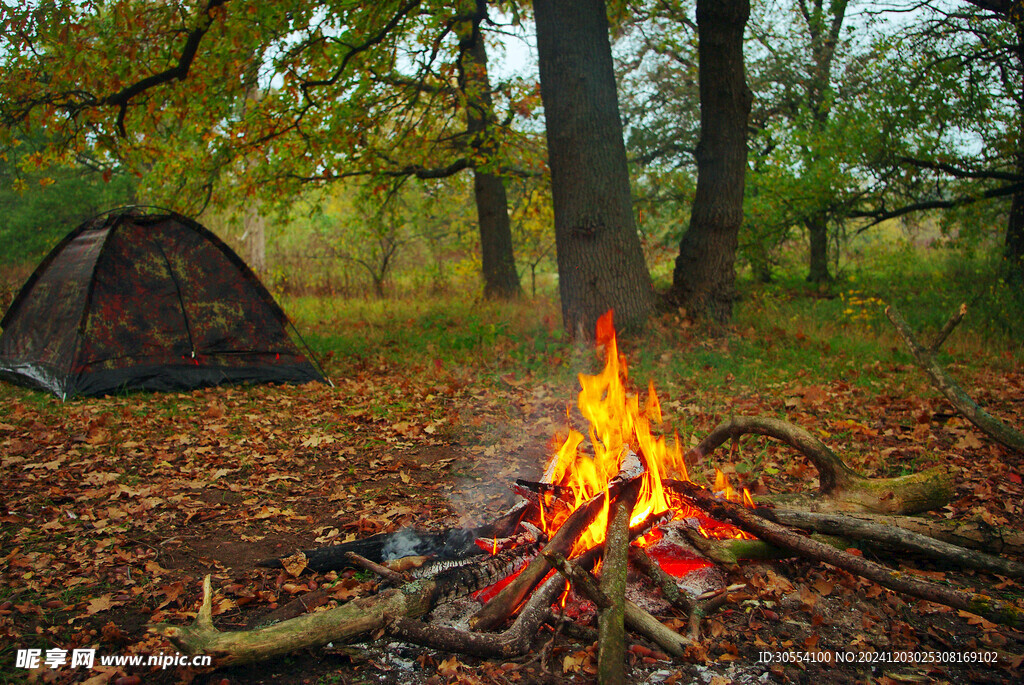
(704, 277)
(817, 233)
(501, 279)
(600, 262)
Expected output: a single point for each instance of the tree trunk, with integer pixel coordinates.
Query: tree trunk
(501, 280)
(817, 229)
(255, 239)
(704, 276)
(600, 261)
(1014, 246)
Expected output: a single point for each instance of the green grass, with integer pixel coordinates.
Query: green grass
(783, 332)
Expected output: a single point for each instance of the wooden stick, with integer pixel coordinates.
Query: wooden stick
(982, 605)
(512, 595)
(894, 538)
(351, 620)
(952, 323)
(669, 588)
(515, 641)
(611, 628)
(382, 571)
(636, 618)
(968, 408)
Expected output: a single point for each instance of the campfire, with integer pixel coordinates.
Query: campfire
(614, 504)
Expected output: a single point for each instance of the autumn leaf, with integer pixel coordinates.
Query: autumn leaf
(295, 564)
(101, 603)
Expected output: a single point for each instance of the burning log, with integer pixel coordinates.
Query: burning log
(513, 642)
(505, 602)
(968, 408)
(611, 652)
(696, 608)
(982, 605)
(840, 487)
(639, 620)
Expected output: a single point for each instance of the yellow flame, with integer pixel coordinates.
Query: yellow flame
(617, 425)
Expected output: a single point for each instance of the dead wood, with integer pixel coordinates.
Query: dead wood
(994, 610)
(611, 629)
(302, 604)
(347, 622)
(893, 539)
(967, 407)
(512, 595)
(457, 543)
(383, 571)
(636, 618)
(515, 641)
(840, 487)
(970, 534)
(696, 608)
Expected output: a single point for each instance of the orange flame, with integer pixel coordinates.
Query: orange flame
(618, 428)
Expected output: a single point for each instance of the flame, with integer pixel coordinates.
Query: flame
(618, 428)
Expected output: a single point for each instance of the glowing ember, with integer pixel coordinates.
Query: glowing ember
(620, 430)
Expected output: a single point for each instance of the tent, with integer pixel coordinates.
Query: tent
(154, 301)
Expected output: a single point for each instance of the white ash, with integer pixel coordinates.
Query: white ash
(455, 614)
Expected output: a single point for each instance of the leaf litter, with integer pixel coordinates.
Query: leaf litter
(115, 508)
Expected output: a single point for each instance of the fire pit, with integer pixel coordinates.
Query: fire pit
(614, 527)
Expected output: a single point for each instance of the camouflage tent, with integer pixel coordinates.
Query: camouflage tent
(132, 300)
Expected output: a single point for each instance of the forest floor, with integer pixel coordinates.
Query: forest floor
(114, 509)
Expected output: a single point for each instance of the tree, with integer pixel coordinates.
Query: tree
(176, 108)
(600, 262)
(501, 280)
(704, 275)
(980, 158)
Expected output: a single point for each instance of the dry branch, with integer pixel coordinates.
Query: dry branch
(636, 618)
(373, 567)
(894, 538)
(840, 487)
(982, 605)
(349, 621)
(968, 408)
(513, 642)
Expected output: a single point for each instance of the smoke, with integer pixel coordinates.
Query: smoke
(408, 542)
(404, 543)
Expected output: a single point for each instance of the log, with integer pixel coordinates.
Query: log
(840, 488)
(994, 610)
(611, 629)
(636, 618)
(944, 383)
(384, 572)
(354, 619)
(512, 595)
(970, 534)
(514, 642)
(358, 617)
(894, 539)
